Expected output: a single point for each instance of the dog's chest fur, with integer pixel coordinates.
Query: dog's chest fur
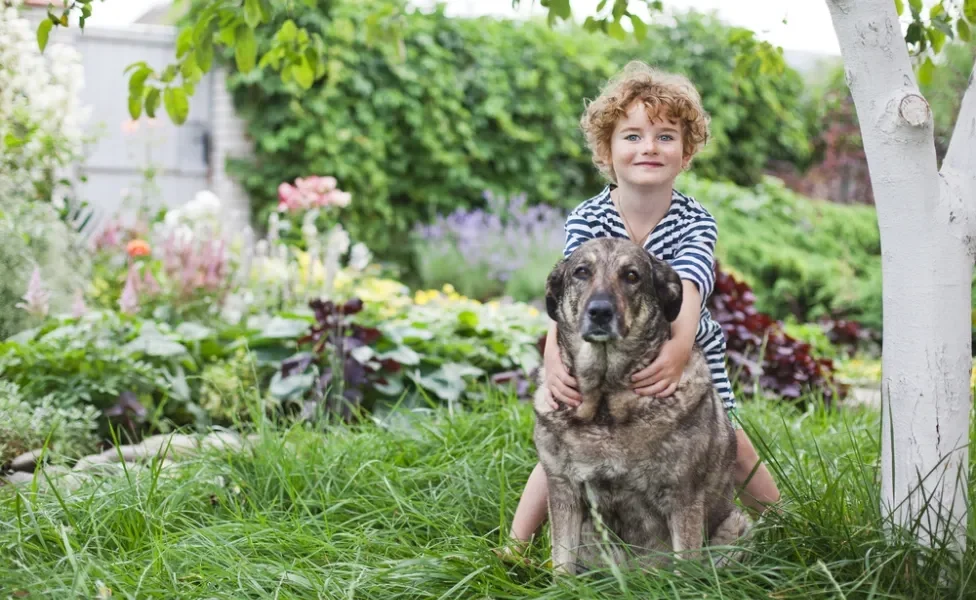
(641, 457)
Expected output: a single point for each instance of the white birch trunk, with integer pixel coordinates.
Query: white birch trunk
(927, 265)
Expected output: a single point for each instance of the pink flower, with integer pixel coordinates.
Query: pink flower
(152, 286)
(311, 192)
(78, 308)
(36, 299)
(129, 301)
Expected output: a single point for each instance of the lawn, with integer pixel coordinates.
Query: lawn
(413, 506)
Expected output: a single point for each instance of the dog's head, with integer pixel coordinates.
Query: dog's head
(609, 286)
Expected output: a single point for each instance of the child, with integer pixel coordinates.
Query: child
(643, 131)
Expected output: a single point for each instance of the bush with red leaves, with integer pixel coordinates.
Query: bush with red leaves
(761, 355)
(333, 340)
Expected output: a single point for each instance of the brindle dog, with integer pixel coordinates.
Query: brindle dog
(657, 472)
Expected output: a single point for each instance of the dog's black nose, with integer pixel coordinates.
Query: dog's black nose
(600, 311)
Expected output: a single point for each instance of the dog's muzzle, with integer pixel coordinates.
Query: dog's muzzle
(599, 322)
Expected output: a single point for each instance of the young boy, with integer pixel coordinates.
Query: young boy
(643, 130)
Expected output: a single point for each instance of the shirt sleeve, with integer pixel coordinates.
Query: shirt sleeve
(694, 259)
(578, 230)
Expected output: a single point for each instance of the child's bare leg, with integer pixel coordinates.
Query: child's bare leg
(761, 490)
(533, 506)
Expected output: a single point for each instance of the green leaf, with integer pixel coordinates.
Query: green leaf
(138, 81)
(405, 355)
(203, 53)
(227, 35)
(938, 40)
(616, 31)
(619, 9)
(916, 6)
(640, 29)
(969, 10)
(152, 102)
(245, 49)
(279, 328)
(193, 332)
(252, 13)
(288, 32)
(560, 8)
(177, 105)
(925, 71)
(43, 31)
(283, 388)
(468, 319)
(153, 344)
(12, 141)
(963, 30)
(303, 73)
(184, 41)
(900, 6)
(135, 106)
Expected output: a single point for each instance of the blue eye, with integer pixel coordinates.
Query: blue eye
(667, 137)
(634, 136)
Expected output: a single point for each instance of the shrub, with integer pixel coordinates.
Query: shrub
(803, 258)
(70, 432)
(35, 238)
(476, 104)
(762, 357)
(41, 116)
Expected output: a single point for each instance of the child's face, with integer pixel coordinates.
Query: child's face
(645, 152)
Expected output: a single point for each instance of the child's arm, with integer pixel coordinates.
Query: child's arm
(694, 263)
(661, 377)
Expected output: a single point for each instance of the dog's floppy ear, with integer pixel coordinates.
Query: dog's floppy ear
(554, 289)
(667, 286)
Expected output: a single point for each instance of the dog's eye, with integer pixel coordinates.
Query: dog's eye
(631, 277)
(581, 272)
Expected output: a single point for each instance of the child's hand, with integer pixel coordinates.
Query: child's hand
(559, 384)
(660, 379)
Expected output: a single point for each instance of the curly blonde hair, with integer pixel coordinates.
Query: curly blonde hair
(659, 91)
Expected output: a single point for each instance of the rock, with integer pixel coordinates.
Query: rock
(864, 396)
(26, 461)
(18, 478)
(225, 440)
(87, 462)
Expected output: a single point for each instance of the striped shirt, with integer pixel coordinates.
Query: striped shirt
(685, 238)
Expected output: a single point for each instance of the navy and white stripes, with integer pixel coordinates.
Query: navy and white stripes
(685, 238)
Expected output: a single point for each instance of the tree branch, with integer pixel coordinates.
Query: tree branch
(959, 165)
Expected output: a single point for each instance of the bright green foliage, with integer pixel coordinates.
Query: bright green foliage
(483, 105)
(930, 30)
(802, 257)
(31, 423)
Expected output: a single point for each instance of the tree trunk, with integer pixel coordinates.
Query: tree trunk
(927, 266)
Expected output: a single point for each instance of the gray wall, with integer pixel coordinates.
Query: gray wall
(187, 158)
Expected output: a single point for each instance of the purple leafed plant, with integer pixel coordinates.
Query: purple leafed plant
(342, 380)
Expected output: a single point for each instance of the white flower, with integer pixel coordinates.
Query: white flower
(38, 93)
(205, 204)
(359, 257)
(338, 241)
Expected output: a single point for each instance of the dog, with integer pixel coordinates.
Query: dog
(656, 473)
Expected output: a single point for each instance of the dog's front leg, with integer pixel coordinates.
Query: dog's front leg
(566, 525)
(687, 523)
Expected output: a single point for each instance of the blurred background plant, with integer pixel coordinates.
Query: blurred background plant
(506, 249)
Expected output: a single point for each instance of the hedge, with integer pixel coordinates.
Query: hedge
(484, 104)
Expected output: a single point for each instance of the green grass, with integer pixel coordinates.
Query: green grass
(413, 509)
